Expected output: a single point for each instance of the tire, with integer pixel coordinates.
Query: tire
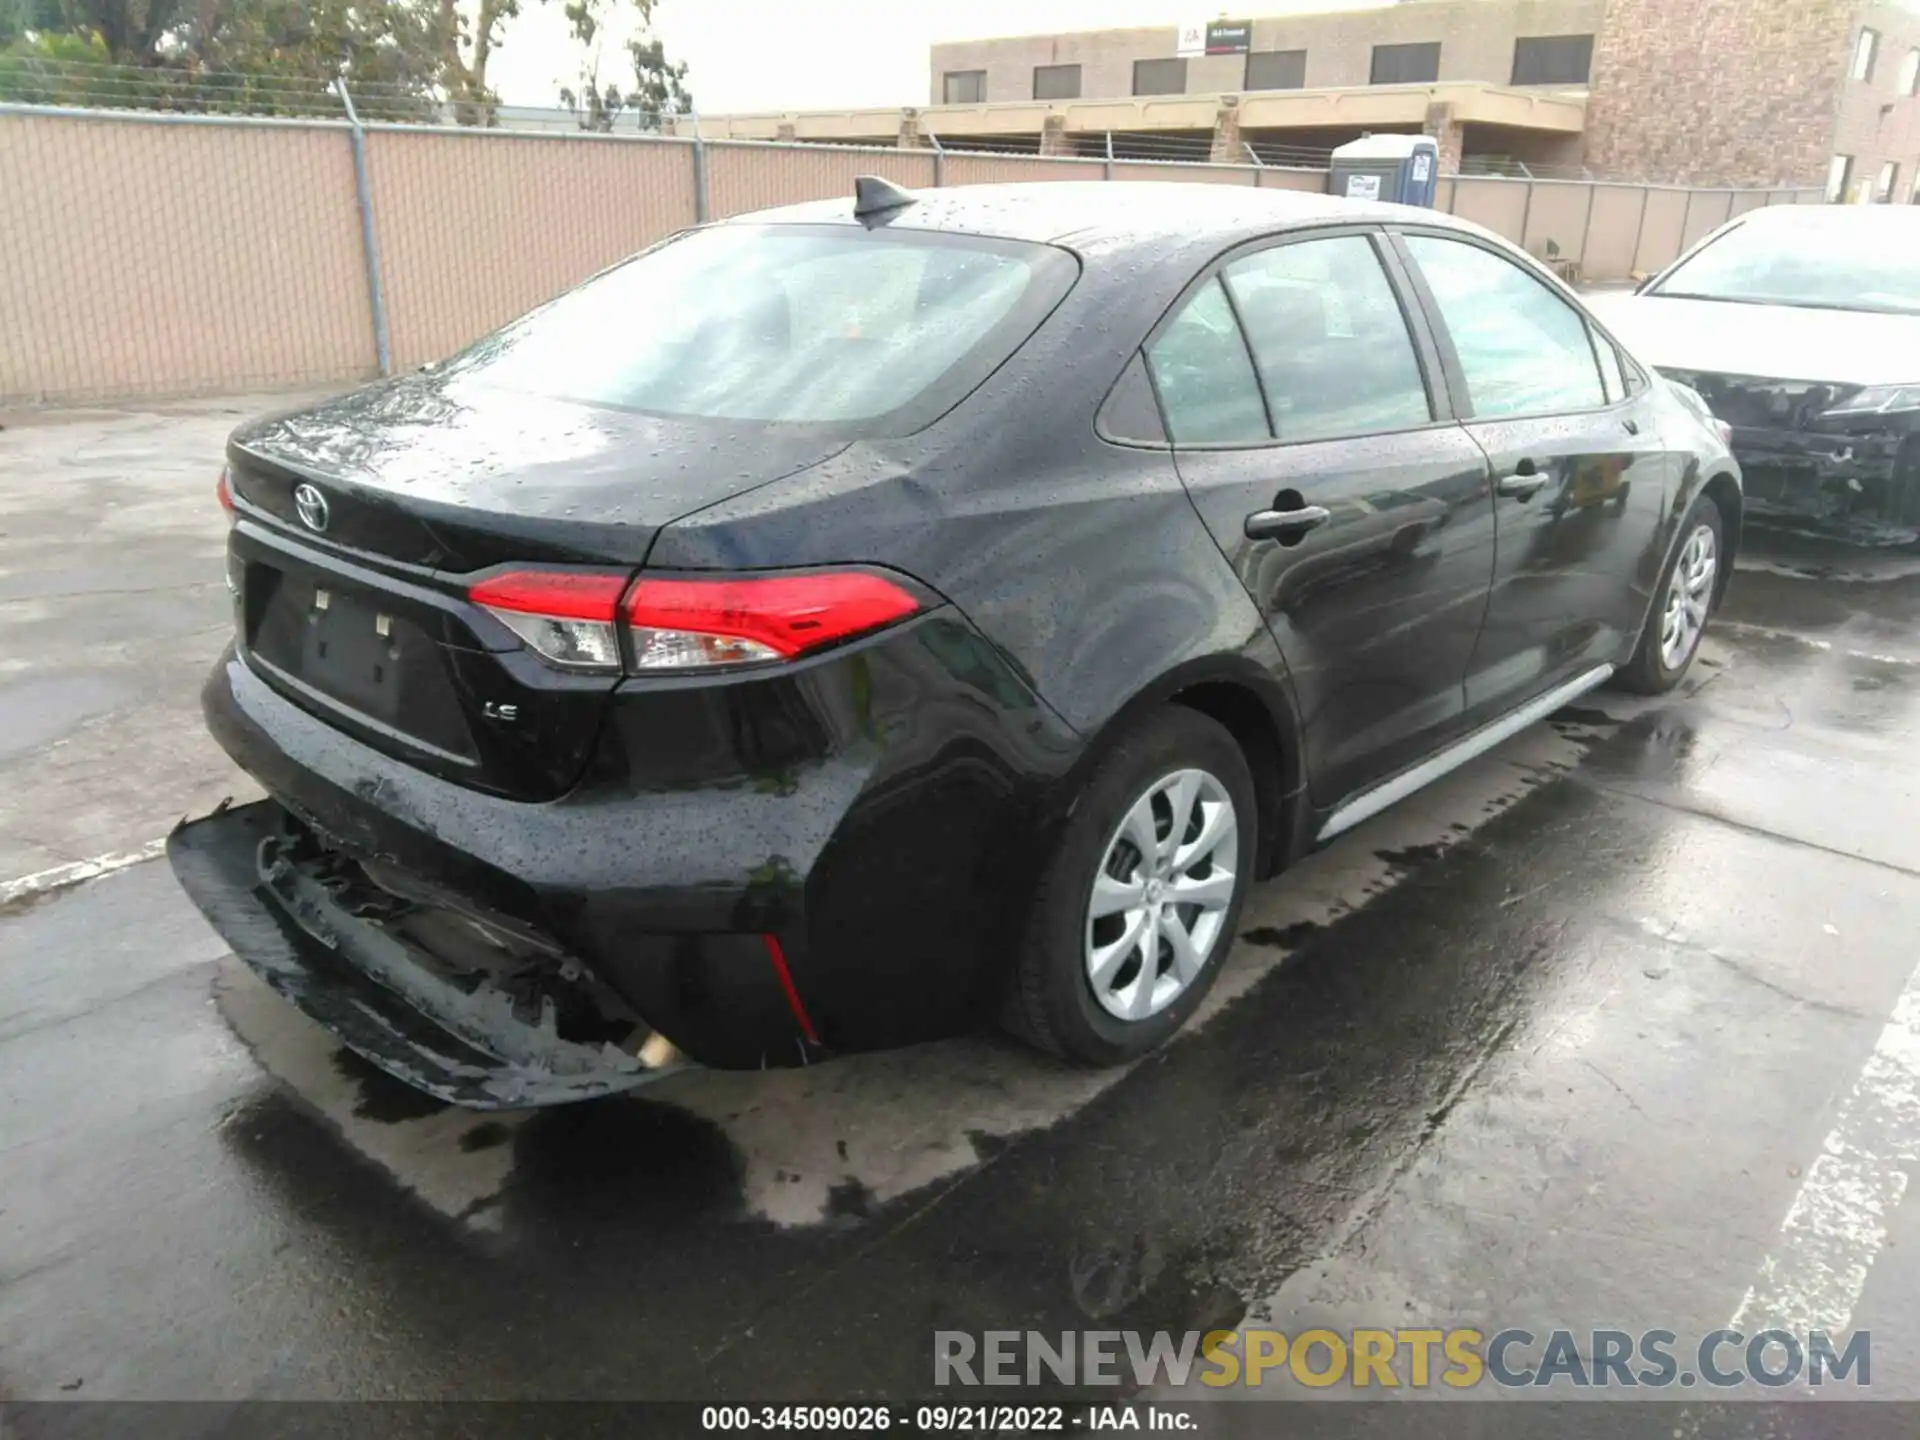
(1055, 1001)
(1658, 664)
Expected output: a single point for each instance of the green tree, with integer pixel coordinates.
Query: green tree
(254, 56)
(401, 59)
(658, 86)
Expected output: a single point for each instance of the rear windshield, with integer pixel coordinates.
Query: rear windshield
(836, 326)
(1844, 260)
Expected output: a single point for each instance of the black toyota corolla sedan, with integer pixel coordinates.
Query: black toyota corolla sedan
(846, 624)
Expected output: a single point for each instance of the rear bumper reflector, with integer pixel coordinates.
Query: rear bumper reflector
(785, 976)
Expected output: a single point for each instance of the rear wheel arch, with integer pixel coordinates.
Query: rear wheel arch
(1254, 727)
(1252, 706)
(1648, 670)
(1724, 491)
(1722, 487)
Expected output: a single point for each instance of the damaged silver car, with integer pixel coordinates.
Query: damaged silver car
(1800, 325)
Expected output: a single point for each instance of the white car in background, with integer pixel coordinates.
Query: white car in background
(1800, 325)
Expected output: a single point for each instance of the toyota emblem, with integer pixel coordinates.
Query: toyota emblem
(312, 506)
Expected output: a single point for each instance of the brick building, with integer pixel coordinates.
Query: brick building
(1752, 91)
(1701, 92)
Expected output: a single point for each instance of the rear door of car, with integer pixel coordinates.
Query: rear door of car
(1581, 469)
(1312, 428)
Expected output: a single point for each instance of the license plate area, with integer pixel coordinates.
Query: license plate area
(350, 650)
(344, 644)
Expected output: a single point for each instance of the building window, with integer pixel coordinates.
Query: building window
(1553, 60)
(1277, 70)
(1056, 82)
(964, 87)
(1865, 53)
(1159, 77)
(1884, 186)
(1406, 64)
(1839, 178)
(1910, 74)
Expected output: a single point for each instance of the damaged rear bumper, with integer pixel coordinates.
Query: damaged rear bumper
(488, 1036)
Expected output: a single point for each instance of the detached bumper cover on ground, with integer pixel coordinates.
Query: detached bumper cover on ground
(471, 1047)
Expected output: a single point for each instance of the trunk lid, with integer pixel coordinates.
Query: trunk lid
(454, 475)
(355, 606)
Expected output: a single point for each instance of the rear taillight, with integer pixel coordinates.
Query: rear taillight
(223, 491)
(1724, 431)
(566, 616)
(683, 623)
(692, 624)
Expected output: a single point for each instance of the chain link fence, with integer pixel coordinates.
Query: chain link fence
(152, 253)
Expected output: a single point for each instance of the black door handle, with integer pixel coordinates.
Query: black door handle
(1286, 524)
(1523, 482)
(1632, 426)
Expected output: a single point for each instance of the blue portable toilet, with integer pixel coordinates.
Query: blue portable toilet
(1402, 168)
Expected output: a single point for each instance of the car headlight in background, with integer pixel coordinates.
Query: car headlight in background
(1879, 400)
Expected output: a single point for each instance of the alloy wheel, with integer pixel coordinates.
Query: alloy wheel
(1160, 897)
(1689, 594)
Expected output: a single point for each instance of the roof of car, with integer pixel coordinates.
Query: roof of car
(1113, 211)
(1834, 214)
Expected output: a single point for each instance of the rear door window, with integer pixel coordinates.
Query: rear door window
(1204, 374)
(1329, 338)
(1610, 369)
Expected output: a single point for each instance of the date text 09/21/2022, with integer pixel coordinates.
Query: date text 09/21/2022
(947, 1419)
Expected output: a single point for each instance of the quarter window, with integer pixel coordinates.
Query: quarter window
(1204, 375)
(1329, 339)
(1524, 350)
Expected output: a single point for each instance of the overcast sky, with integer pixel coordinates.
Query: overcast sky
(823, 54)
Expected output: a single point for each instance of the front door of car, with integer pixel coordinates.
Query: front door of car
(1308, 422)
(1581, 471)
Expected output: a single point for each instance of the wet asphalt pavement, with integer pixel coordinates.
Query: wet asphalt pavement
(1607, 1030)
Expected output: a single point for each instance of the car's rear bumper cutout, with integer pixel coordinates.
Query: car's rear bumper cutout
(311, 925)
